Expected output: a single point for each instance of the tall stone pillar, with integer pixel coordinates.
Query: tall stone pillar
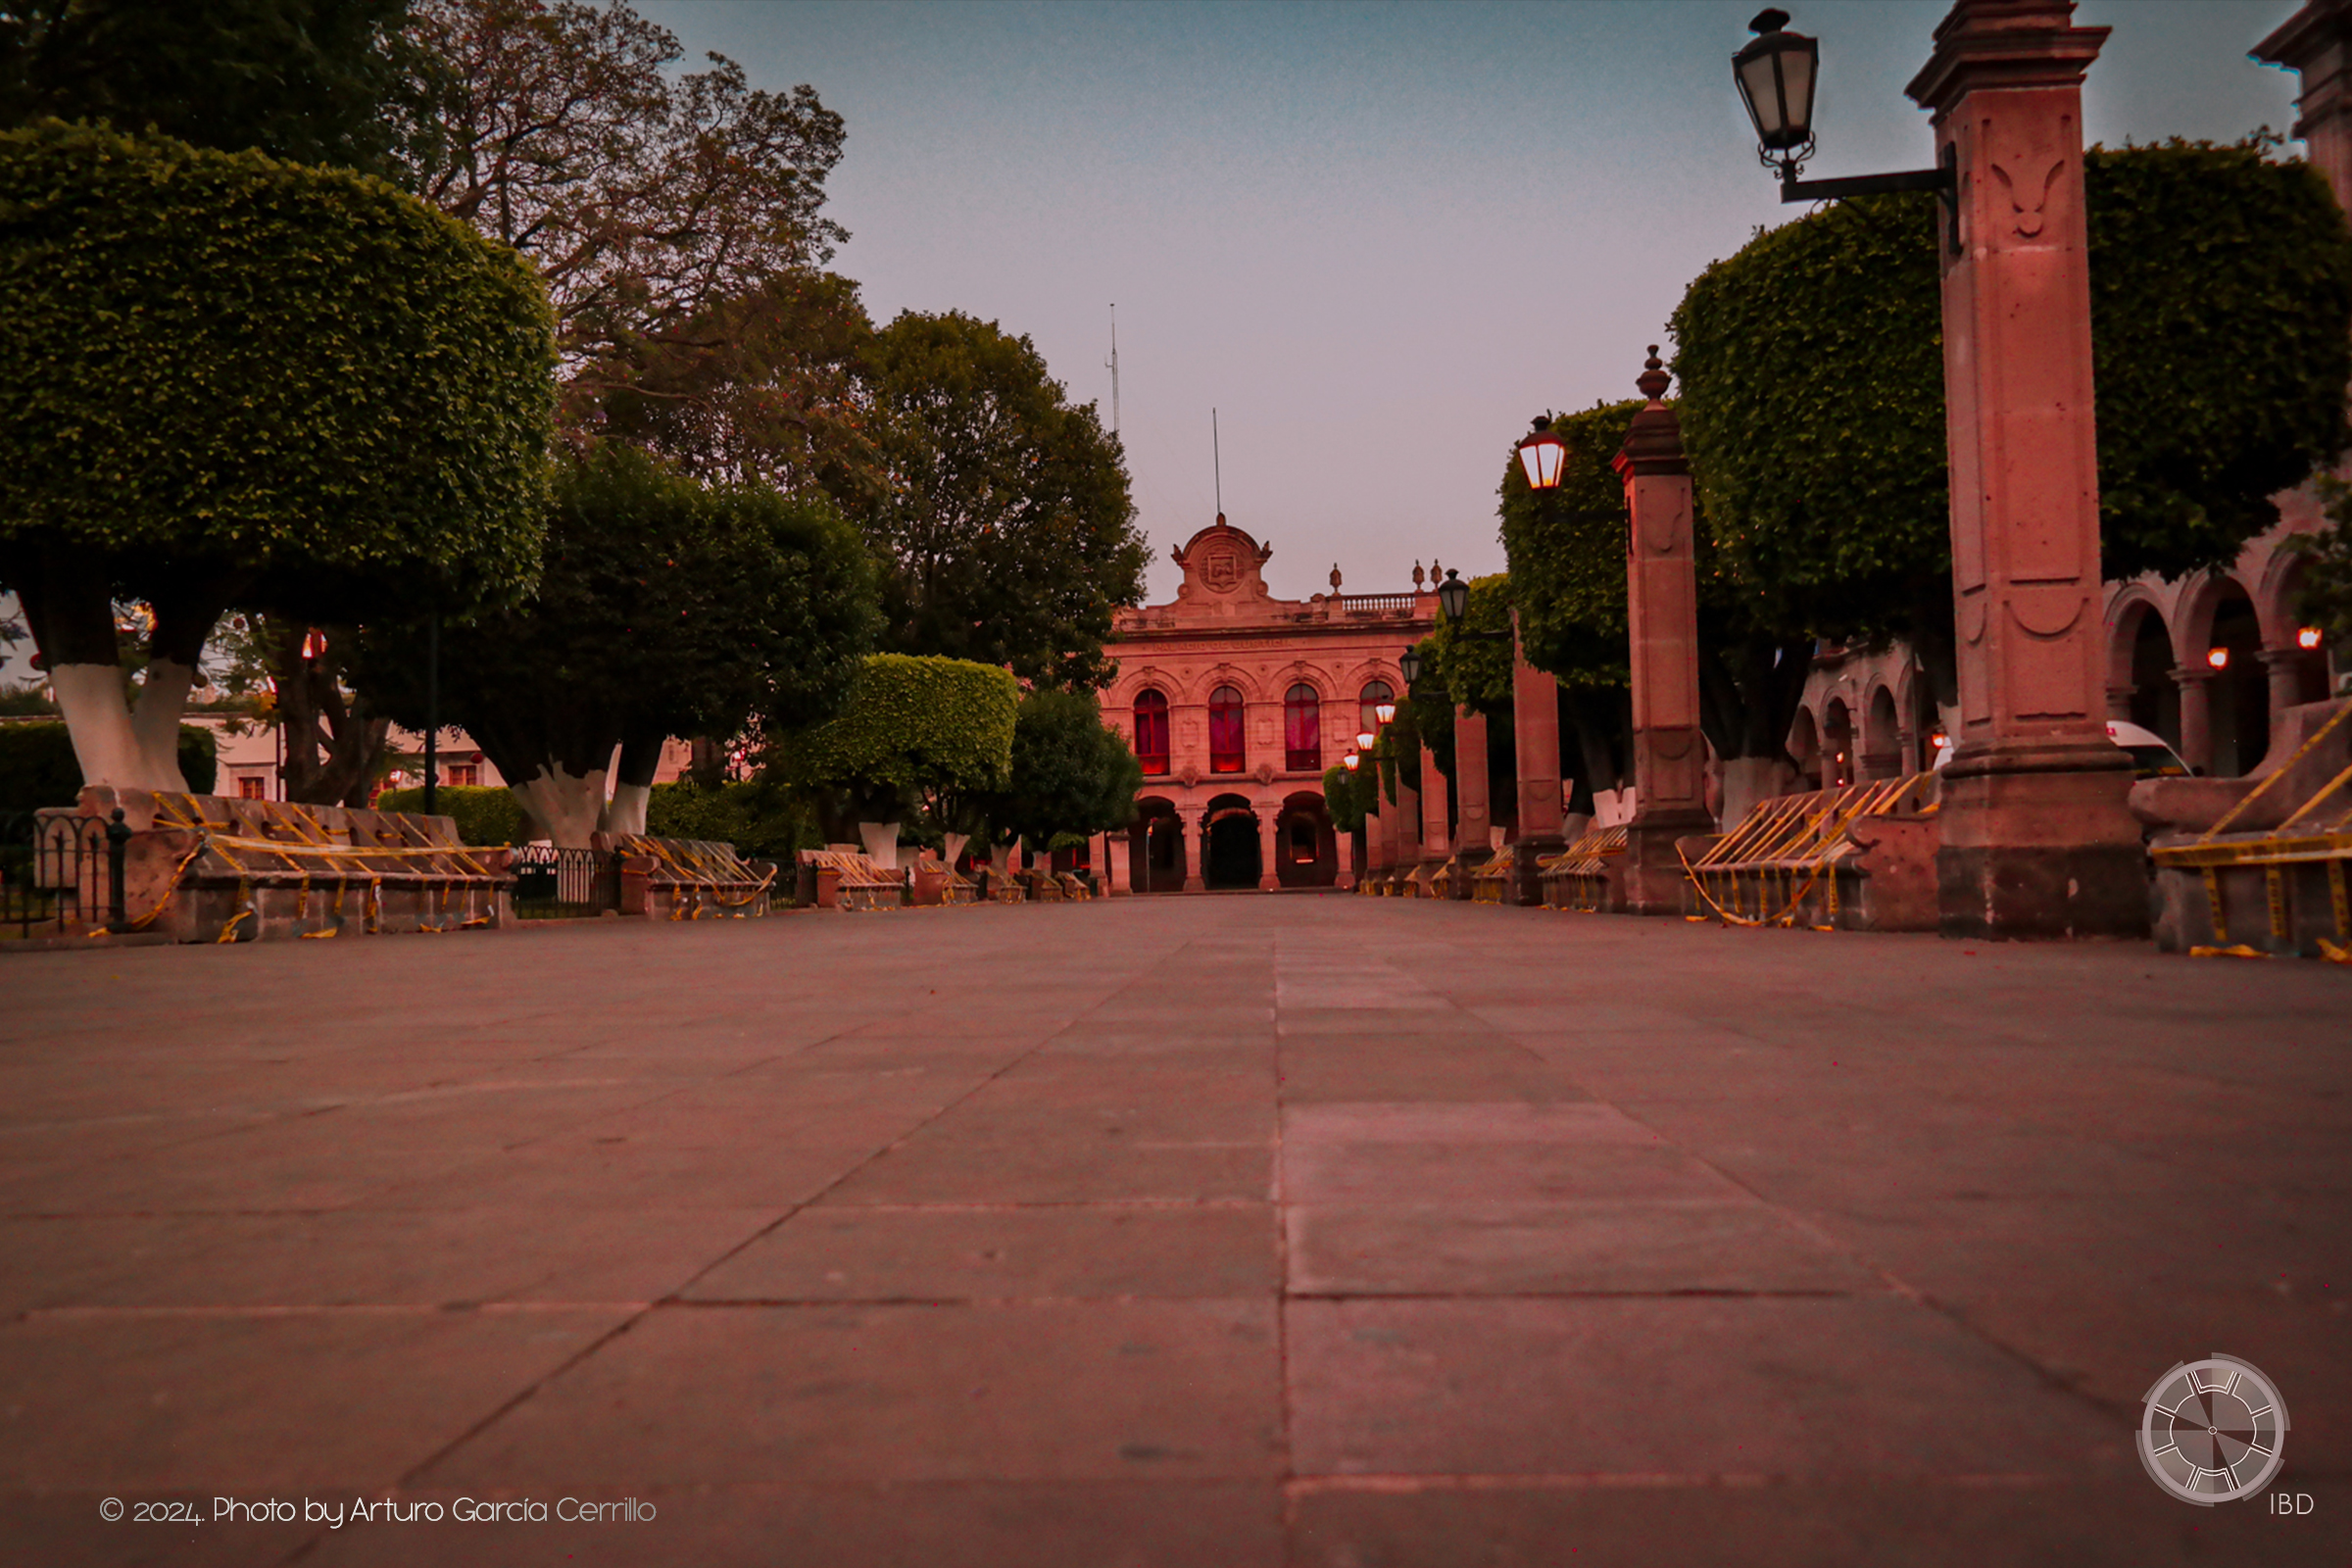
(2036, 839)
(2285, 667)
(1379, 847)
(1269, 848)
(1536, 717)
(1117, 879)
(2119, 702)
(1191, 852)
(1436, 833)
(1661, 594)
(1408, 833)
(1343, 846)
(2197, 717)
(1473, 818)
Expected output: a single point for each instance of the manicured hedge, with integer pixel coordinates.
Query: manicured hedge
(484, 815)
(760, 819)
(911, 724)
(37, 767)
(303, 372)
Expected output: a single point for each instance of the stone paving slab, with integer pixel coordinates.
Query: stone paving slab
(1319, 1233)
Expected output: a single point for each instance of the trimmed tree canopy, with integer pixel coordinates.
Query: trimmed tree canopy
(1812, 383)
(1070, 772)
(296, 372)
(911, 726)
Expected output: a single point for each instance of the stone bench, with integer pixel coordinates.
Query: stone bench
(1858, 858)
(1580, 876)
(2257, 864)
(843, 876)
(209, 868)
(686, 879)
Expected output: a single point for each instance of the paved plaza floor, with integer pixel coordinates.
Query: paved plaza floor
(1212, 1232)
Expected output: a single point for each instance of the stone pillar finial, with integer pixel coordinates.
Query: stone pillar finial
(1654, 379)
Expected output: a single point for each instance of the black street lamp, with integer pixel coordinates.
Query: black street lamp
(1542, 456)
(1453, 596)
(1410, 663)
(1776, 73)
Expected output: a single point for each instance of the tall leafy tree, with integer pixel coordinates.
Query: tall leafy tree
(1071, 773)
(1005, 530)
(227, 380)
(1812, 388)
(665, 608)
(647, 199)
(312, 82)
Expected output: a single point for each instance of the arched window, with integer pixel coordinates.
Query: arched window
(1302, 729)
(1152, 730)
(1374, 695)
(1225, 730)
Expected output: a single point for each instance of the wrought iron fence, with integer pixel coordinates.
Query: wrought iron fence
(60, 874)
(552, 884)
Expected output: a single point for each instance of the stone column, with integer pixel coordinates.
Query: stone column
(1269, 848)
(1473, 817)
(1408, 833)
(1191, 852)
(1116, 874)
(2197, 717)
(1378, 854)
(1661, 593)
(1436, 833)
(1536, 716)
(2119, 702)
(2285, 667)
(1343, 855)
(2035, 836)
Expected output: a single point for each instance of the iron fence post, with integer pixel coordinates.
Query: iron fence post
(118, 837)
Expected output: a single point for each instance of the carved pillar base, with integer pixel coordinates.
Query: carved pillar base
(2037, 843)
(1527, 869)
(1465, 864)
(1650, 877)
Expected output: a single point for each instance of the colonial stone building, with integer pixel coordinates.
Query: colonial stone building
(1235, 702)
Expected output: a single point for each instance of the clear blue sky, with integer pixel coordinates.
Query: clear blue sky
(1376, 237)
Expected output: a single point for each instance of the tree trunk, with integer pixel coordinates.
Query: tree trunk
(333, 745)
(568, 804)
(68, 597)
(634, 783)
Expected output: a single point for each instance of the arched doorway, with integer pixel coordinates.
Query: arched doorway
(1230, 859)
(1836, 745)
(1307, 848)
(1156, 848)
(2155, 696)
(1882, 738)
(2239, 697)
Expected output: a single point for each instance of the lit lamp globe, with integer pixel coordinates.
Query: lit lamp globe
(1351, 761)
(1453, 595)
(1364, 740)
(1542, 456)
(1385, 712)
(1776, 73)
(1410, 663)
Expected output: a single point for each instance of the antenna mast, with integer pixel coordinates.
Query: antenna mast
(1113, 363)
(1217, 463)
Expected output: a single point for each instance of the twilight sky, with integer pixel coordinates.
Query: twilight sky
(1376, 238)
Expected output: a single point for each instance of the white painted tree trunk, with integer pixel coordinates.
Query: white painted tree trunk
(155, 721)
(568, 804)
(98, 721)
(625, 812)
(881, 841)
(1749, 779)
(954, 846)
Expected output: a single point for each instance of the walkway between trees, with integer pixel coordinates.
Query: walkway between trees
(1217, 1231)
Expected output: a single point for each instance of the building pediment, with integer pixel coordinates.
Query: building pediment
(1222, 565)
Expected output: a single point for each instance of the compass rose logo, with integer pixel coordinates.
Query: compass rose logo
(2213, 1431)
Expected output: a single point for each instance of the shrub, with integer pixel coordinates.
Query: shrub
(37, 767)
(763, 820)
(485, 814)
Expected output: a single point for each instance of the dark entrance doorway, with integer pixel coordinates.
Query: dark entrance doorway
(1155, 849)
(1232, 849)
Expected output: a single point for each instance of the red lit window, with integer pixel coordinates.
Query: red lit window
(1303, 728)
(1152, 730)
(1225, 730)
(1374, 695)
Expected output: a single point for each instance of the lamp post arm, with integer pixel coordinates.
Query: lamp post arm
(1944, 179)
